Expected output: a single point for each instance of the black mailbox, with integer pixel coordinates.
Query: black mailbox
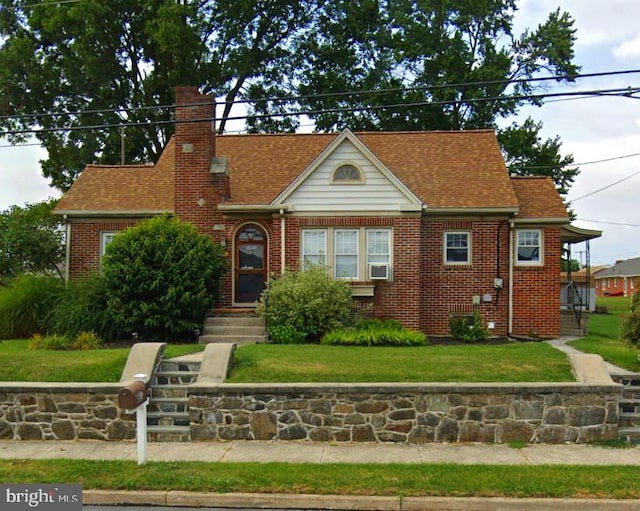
(133, 395)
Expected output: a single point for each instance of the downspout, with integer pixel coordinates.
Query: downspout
(67, 249)
(511, 232)
(283, 254)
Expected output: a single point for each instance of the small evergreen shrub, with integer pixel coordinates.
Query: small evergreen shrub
(26, 303)
(160, 278)
(463, 330)
(373, 332)
(303, 305)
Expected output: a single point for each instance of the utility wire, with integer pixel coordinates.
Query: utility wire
(276, 99)
(605, 187)
(620, 92)
(608, 223)
(580, 164)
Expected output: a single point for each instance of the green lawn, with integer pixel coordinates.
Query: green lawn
(19, 363)
(604, 335)
(517, 362)
(560, 481)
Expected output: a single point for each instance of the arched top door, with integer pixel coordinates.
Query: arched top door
(250, 263)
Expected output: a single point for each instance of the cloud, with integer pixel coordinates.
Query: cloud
(628, 49)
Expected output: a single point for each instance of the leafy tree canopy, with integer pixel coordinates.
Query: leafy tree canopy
(446, 64)
(31, 240)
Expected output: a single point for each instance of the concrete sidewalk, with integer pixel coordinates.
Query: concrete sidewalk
(311, 452)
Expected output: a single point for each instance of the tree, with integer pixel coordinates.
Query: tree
(160, 277)
(362, 64)
(31, 240)
(95, 63)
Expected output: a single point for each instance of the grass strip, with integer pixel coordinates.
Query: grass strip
(550, 481)
(516, 362)
(19, 363)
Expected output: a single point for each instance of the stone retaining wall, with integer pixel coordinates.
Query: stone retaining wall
(75, 412)
(550, 413)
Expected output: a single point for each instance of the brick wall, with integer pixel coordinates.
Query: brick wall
(536, 291)
(449, 289)
(86, 239)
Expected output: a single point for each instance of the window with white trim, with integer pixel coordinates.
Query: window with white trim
(457, 247)
(529, 246)
(346, 253)
(346, 174)
(106, 237)
(314, 247)
(349, 251)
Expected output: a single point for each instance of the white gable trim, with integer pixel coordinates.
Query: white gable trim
(350, 136)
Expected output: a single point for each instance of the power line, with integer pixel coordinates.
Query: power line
(580, 164)
(43, 4)
(621, 92)
(275, 99)
(608, 223)
(606, 187)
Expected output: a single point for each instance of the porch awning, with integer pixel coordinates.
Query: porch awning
(572, 234)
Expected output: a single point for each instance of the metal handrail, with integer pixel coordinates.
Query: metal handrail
(575, 297)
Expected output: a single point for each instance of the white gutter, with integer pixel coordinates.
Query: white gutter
(282, 242)
(511, 233)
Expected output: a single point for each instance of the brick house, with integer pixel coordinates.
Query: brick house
(621, 279)
(424, 225)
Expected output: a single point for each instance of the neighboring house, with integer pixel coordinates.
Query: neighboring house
(424, 225)
(621, 279)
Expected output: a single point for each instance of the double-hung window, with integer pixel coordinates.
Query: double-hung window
(378, 253)
(314, 247)
(346, 253)
(529, 247)
(457, 248)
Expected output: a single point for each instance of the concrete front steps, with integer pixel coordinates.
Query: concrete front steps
(168, 417)
(569, 324)
(629, 408)
(241, 327)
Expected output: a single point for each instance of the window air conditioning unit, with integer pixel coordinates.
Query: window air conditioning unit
(378, 272)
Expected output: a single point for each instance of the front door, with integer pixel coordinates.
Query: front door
(250, 266)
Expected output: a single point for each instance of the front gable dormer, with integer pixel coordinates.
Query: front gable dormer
(348, 177)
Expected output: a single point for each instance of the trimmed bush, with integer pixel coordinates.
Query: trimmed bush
(375, 333)
(301, 306)
(160, 278)
(26, 303)
(86, 341)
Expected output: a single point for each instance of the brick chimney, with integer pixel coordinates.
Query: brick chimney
(196, 189)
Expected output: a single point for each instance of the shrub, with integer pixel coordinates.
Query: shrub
(463, 330)
(372, 335)
(160, 278)
(631, 322)
(26, 303)
(86, 341)
(82, 307)
(50, 342)
(285, 334)
(308, 302)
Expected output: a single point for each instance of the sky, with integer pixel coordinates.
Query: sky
(597, 128)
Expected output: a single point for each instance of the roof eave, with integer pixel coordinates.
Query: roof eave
(542, 220)
(112, 213)
(471, 211)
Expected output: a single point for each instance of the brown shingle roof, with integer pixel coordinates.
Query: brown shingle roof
(455, 169)
(123, 188)
(538, 198)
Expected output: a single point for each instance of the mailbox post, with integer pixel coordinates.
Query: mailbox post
(134, 398)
